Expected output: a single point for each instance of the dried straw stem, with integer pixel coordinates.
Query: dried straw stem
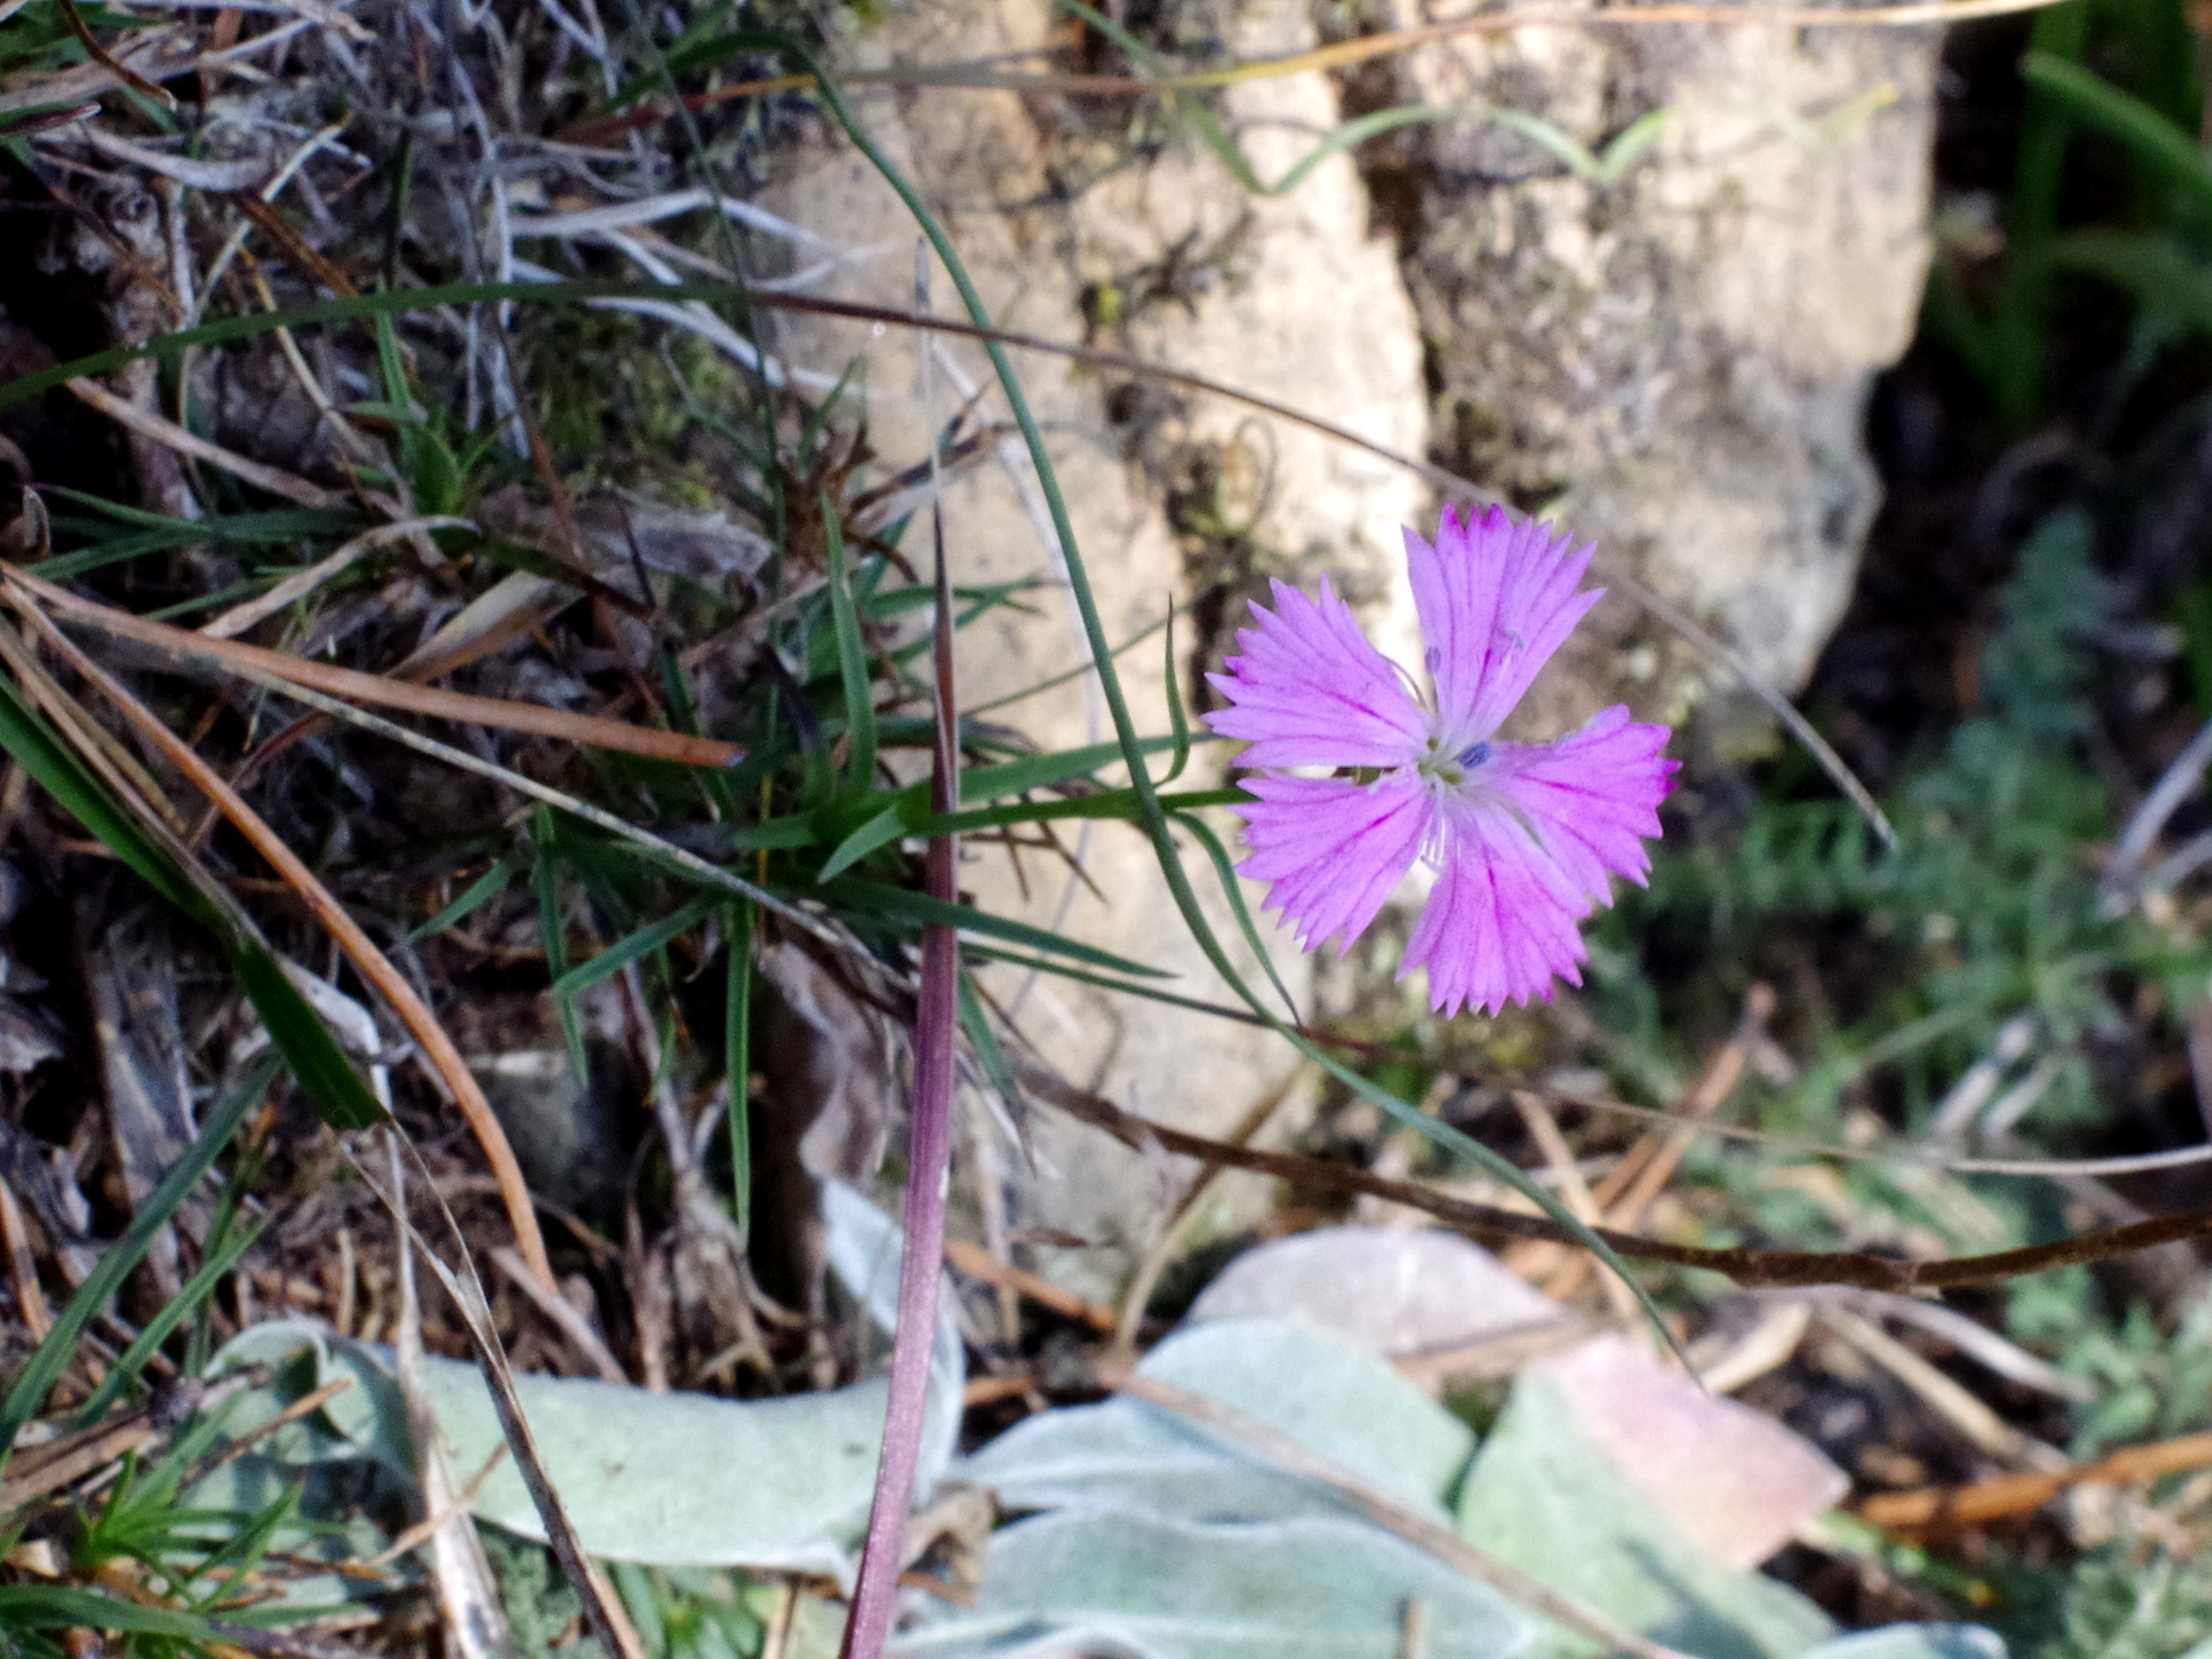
(372, 963)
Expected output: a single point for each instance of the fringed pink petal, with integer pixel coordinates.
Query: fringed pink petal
(1592, 797)
(1495, 599)
(1333, 851)
(1500, 924)
(1308, 690)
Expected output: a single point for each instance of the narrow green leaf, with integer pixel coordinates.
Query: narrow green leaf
(852, 662)
(1105, 982)
(982, 1038)
(684, 714)
(2162, 148)
(2159, 274)
(38, 749)
(918, 910)
(544, 880)
(196, 1289)
(473, 897)
(1042, 772)
(737, 1060)
(1177, 722)
(276, 525)
(775, 835)
(53, 1354)
(631, 948)
(57, 1607)
(880, 831)
(1233, 891)
(1122, 804)
(333, 1086)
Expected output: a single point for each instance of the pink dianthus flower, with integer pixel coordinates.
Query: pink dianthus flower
(1523, 837)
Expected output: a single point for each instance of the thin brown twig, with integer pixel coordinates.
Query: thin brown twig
(979, 1263)
(1582, 1204)
(437, 1047)
(1155, 1261)
(1745, 1266)
(110, 1441)
(299, 584)
(1935, 1510)
(306, 1405)
(30, 1299)
(278, 229)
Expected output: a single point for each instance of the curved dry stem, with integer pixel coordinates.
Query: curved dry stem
(374, 967)
(460, 706)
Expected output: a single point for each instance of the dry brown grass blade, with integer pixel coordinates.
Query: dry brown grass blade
(279, 230)
(98, 53)
(1628, 1190)
(1934, 1511)
(149, 53)
(1264, 1441)
(461, 1575)
(362, 688)
(297, 586)
(603, 1609)
(372, 963)
(275, 480)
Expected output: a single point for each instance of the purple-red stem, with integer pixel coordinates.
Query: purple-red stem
(929, 1162)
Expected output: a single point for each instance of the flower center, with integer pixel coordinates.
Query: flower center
(1439, 764)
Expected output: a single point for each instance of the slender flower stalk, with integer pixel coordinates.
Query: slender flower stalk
(929, 1162)
(1361, 771)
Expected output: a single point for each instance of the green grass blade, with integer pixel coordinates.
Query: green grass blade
(984, 1040)
(473, 897)
(38, 749)
(196, 1290)
(2155, 141)
(973, 951)
(918, 910)
(880, 831)
(633, 946)
(335, 1089)
(737, 1061)
(333, 1086)
(852, 662)
(2159, 274)
(52, 1355)
(28, 1607)
(1121, 805)
(1178, 723)
(544, 880)
(1233, 891)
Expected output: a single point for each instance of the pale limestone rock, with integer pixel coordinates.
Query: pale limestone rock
(1299, 301)
(1674, 362)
